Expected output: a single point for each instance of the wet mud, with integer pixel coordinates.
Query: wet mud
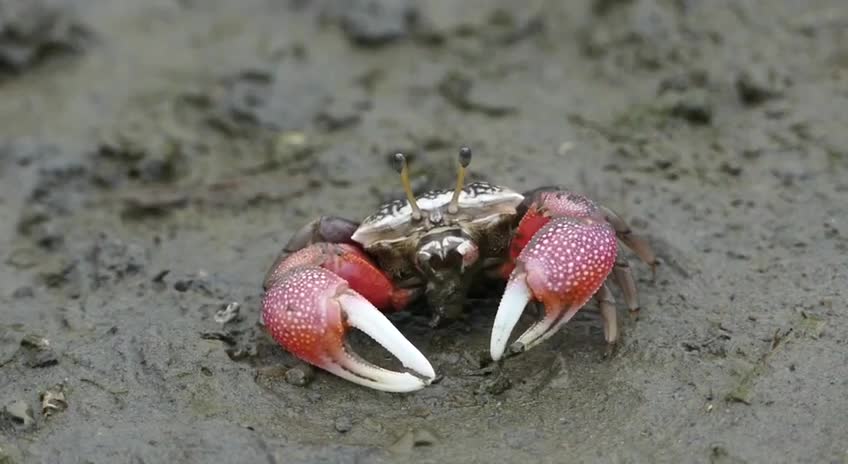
(156, 156)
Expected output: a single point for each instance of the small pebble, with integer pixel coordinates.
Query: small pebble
(420, 412)
(23, 292)
(20, 413)
(37, 352)
(270, 375)
(39, 359)
(300, 375)
(757, 85)
(343, 424)
(497, 385)
(35, 341)
(372, 425)
(376, 22)
(694, 107)
(228, 313)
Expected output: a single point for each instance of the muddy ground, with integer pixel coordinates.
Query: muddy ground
(155, 156)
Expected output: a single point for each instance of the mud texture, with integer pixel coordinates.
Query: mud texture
(155, 156)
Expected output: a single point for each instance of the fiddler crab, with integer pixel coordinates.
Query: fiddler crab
(552, 246)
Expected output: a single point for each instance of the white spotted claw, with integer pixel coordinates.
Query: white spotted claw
(308, 311)
(564, 264)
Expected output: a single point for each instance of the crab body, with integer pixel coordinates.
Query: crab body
(554, 247)
(442, 251)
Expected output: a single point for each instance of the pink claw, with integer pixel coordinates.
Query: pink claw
(562, 266)
(308, 310)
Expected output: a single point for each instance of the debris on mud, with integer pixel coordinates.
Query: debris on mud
(521, 439)
(145, 147)
(340, 114)
(32, 31)
(153, 204)
(643, 35)
(19, 413)
(112, 259)
(373, 23)
(496, 385)
(228, 313)
(456, 88)
(22, 258)
(37, 352)
(53, 400)
(720, 455)
(343, 424)
(300, 375)
(757, 84)
(743, 392)
(35, 342)
(414, 438)
(269, 376)
(259, 98)
(481, 24)
(23, 292)
(692, 106)
(56, 191)
(228, 337)
(679, 82)
(34, 351)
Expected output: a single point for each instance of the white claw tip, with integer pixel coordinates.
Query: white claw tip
(512, 305)
(365, 317)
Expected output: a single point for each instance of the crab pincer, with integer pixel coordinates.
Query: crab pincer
(308, 309)
(570, 254)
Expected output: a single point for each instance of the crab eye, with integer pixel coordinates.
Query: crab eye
(464, 161)
(402, 167)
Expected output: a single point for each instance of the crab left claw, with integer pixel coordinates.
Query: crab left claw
(564, 264)
(309, 311)
(314, 295)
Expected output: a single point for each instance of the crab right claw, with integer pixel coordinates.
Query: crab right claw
(563, 266)
(309, 310)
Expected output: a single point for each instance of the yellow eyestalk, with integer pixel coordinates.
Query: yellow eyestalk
(464, 161)
(403, 169)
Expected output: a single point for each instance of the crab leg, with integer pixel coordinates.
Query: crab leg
(325, 229)
(606, 302)
(624, 277)
(331, 229)
(318, 293)
(638, 244)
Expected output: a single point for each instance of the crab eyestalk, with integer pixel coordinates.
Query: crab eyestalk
(464, 161)
(402, 167)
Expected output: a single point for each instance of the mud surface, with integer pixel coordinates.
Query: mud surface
(155, 156)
